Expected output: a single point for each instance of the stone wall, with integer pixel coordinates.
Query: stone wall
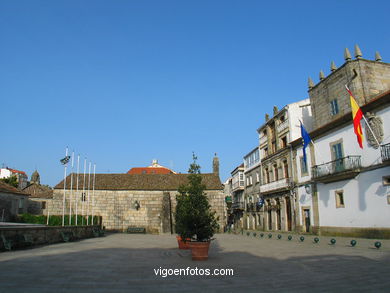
(118, 207)
(37, 206)
(372, 79)
(9, 205)
(43, 234)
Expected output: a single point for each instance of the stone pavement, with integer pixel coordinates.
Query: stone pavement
(127, 263)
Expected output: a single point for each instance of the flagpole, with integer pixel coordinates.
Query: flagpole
(71, 192)
(93, 191)
(83, 194)
(47, 220)
(89, 184)
(77, 185)
(63, 198)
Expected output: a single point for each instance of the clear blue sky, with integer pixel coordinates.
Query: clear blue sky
(125, 82)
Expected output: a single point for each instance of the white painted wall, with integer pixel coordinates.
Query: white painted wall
(5, 173)
(369, 155)
(365, 197)
(365, 200)
(296, 113)
(298, 156)
(304, 200)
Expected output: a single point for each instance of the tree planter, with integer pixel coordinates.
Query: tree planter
(200, 250)
(182, 244)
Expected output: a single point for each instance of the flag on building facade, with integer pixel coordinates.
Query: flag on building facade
(305, 140)
(357, 115)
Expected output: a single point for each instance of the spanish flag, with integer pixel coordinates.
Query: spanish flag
(357, 115)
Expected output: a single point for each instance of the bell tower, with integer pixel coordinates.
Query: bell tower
(216, 164)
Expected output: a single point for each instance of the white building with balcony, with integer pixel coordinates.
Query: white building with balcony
(345, 188)
(353, 184)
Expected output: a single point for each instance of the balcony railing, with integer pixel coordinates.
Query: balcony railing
(282, 126)
(275, 185)
(385, 152)
(263, 139)
(238, 205)
(342, 165)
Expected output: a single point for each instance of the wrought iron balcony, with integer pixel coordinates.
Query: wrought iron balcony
(238, 205)
(340, 169)
(275, 185)
(385, 152)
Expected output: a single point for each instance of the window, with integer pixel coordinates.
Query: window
(241, 176)
(250, 180)
(265, 152)
(282, 119)
(83, 196)
(247, 181)
(386, 180)
(339, 198)
(43, 205)
(21, 203)
(334, 107)
(276, 175)
(21, 206)
(337, 156)
(283, 142)
(273, 147)
(257, 177)
(285, 167)
(303, 167)
(267, 176)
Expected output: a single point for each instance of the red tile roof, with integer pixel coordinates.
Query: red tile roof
(17, 171)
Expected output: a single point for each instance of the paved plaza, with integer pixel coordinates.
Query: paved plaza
(127, 263)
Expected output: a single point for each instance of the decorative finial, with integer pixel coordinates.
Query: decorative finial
(276, 110)
(347, 55)
(333, 66)
(358, 52)
(322, 75)
(310, 83)
(378, 56)
(266, 117)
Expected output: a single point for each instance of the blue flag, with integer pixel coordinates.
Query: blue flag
(306, 140)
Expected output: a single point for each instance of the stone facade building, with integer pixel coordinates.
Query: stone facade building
(365, 78)
(134, 200)
(277, 168)
(12, 202)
